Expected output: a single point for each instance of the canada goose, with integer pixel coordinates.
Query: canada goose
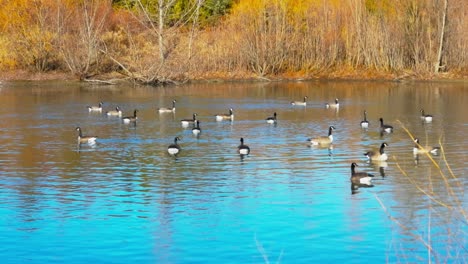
(385, 127)
(116, 112)
(174, 149)
(95, 108)
(168, 110)
(425, 118)
(323, 140)
(418, 149)
(186, 122)
(196, 128)
(336, 104)
(129, 119)
(221, 117)
(243, 149)
(365, 123)
(301, 103)
(272, 120)
(360, 177)
(377, 156)
(85, 139)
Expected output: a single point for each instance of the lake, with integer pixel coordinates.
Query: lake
(126, 200)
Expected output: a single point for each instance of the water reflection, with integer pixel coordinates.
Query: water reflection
(379, 166)
(382, 171)
(355, 187)
(127, 192)
(86, 146)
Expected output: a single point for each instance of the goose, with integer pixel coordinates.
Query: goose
(95, 108)
(385, 127)
(85, 139)
(221, 117)
(168, 110)
(426, 118)
(272, 119)
(243, 149)
(116, 112)
(377, 156)
(301, 103)
(418, 149)
(336, 104)
(174, 149)
(186, 122)
(196, 128)
(365, 123)
(129, 119)
(360, 177)
(323, 140)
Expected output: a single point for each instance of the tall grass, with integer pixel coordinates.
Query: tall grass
(445, 209)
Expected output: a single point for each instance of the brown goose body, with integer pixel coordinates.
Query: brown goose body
(323, 140)
(187, 121)
(174, 148)
(222, 117)
(336, 104)
(243, 149)
(385, 127)
(95, 108)
(418, 149)
(272, 119)
(85, 139)
(377, 155)
(365, 123)
(360, 177)
(426, 118)
(168, 110)
(116, 112)
(300, 103)
(129, 119)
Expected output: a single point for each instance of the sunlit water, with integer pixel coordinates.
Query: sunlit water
(125, 200)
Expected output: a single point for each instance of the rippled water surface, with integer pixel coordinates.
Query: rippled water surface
(125, 200)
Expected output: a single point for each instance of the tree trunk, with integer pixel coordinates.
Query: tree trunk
(438, 64)
(161, 30)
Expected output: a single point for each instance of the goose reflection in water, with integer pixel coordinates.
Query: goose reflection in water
(330, 150)
(355, 187)
(328, 147)
(86, 147)
(381, 166)
(418, 158)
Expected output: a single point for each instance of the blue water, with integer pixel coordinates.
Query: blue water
(126, 200)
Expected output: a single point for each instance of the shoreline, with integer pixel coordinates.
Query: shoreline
(22, 75)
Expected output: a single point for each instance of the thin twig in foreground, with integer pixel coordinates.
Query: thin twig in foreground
(418, 237)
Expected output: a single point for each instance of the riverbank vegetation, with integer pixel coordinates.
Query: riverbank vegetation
(159, 41)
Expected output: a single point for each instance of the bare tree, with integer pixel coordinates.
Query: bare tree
(162, 33)
(438, 64)
(81, 41)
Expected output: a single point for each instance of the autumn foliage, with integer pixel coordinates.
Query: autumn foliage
(234, 39)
